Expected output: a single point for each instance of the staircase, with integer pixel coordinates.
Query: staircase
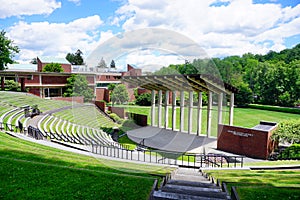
(189, 184)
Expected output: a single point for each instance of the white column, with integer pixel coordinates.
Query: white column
(159, 108)
(152, 108)
(181, 111)
(190, 119)
(231, 109)
(220, 104)
(166, 109)
(199, 115)
(173, 110)
(209, 108)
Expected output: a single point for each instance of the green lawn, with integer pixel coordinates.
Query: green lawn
(261, 184)
(32, 171)
(245, 117)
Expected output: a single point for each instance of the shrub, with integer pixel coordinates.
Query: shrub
(116, 118)
(11, 85)
(288, 131)
(292, 152)
(143, 99)
(275, 108)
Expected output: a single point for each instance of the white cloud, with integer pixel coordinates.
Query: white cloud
(76, 2)
(55, 39)
(24, 7)
(237, 27)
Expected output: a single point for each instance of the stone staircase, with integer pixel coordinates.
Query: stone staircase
(189, 184)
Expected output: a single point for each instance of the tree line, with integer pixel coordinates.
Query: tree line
(271, 79)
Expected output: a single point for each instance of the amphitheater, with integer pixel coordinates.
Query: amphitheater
(84, 127)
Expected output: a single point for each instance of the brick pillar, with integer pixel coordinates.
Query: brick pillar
(23, 84)
(2, 83)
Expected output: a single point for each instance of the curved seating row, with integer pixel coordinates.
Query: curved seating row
(63, 130)
(58, 129)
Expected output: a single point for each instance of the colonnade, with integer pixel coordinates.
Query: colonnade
(190, 106)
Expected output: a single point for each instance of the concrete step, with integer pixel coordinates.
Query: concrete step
(192, 188)
(193, 184)
(160, 195)
(210, 192)
(184, 177)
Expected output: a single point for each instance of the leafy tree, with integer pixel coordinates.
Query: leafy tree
(33, 61)
(101, 65)
(111, 86)
(288, 131)
(119, 94)
(77, 85)
(75, 58)
(143, 99)
(11, 85)
(113, 64)
(7, 50)
(53, 67)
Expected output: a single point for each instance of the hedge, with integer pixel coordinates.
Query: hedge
(275, 108)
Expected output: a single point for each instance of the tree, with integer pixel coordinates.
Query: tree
(77, 85)
(143, 99)
(119, 94)
(7, 50)
(75, 59)
(53, 67)
(113, 64)
(33, 61)
(111, 86)
(12, 85)
(101, 65)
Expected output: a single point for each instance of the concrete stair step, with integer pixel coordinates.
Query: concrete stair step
(185, 177)
(193, 184)
(188, 171)
(211, 193)
(160, 195)
(192, 188)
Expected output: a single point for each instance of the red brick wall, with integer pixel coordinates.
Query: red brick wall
(35, 91)
(119, 111)
(102, 94)
(90, 79)
(100, 105)
(245, 141)
(71, 99)
(35, 80)
(66, 67)
(54, 79)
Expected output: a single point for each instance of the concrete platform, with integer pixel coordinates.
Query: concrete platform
(168, 140)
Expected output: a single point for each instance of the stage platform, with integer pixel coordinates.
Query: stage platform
(168, 140)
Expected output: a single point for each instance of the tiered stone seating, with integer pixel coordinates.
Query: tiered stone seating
(63, 130)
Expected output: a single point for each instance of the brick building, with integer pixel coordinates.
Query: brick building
(52, 84)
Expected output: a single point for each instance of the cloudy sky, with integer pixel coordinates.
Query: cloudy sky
(220, 27)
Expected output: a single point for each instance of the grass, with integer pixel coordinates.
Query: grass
(33, 171)
(262, 184)
(87, 116)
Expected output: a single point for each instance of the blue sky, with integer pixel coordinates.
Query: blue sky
(220, 27)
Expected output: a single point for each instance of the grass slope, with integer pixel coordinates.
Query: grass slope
(262, 184)
(33, 171)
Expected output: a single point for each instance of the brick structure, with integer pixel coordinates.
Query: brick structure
(42, 61)
(255, 142)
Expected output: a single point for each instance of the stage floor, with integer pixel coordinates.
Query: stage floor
(169, 140)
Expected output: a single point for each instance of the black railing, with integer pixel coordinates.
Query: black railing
(170, 158)
(117, 150)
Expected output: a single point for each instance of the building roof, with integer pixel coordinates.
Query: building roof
(54, 60)
(191, 82)
(22, 67)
